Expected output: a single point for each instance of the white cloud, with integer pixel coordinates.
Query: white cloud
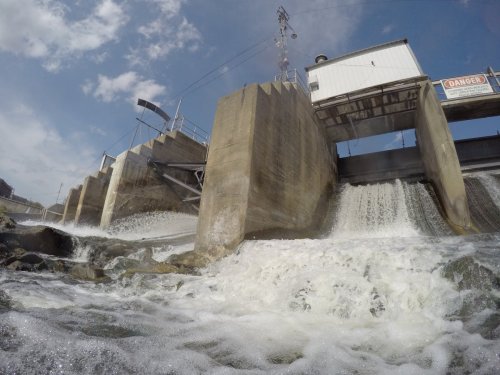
(87, 86)
(151, 29)
(97, 130)
(387, 29)
(170, 31)
(35, 157)
(169, 8)
(99, 58)
(396, 142)
(40, 29)
(129, 86)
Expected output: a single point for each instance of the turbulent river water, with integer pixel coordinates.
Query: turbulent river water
(389, 291)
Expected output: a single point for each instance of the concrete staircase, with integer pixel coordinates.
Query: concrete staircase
(131, 186)
(135, 187)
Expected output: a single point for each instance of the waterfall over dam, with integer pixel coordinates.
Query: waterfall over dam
(388, 290)
(388, 209)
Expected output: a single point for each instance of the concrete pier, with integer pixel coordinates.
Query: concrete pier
(71, 204)
(439, 156)
(135, 187)
(269, 167)
(92, 198)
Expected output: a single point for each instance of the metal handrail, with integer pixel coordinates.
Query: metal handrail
(293, 76)
(191, 130)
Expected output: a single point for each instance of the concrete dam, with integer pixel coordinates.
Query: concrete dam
(272, 165)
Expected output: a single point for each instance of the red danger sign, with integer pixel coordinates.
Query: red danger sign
(478, 79)
(460, 87)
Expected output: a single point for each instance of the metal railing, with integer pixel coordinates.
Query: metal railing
(493, 79)
(293, 76)
(190, 129)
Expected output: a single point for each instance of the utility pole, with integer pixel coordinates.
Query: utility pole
(176, 117)
(59, 192)
(281, 42)
(491, 72)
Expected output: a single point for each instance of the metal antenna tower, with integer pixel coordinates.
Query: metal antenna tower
(281, 43)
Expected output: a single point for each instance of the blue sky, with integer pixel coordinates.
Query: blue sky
(73, 70)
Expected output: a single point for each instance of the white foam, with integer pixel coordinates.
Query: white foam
(370, 299)
(492, 186)
(373, 211)
(374, 305)
(159, 225)
(151, 225)
(77, 230)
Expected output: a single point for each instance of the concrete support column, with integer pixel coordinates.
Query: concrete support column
(92, 198)
(269, 167)
(126, 191)
(71, 204)
(440, 157)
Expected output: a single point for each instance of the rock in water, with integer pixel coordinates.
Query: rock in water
(481, 283)
(5, 301)
(6, 222)
(89, 273)
(468, 274)
(38, 239)
(31, 258)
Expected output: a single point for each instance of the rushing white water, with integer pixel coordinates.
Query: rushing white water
(387, 210)
(373, 211)
(162, 227)
(492, 185)
(369, 299)
(153, 225)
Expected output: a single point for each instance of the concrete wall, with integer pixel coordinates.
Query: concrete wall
(54, 213)
(92, 198)
(12, 206)
(407, 162)
(268, 168)
(134, 187)
(178, 147)
(379, 166)
(473, 151)
(71, 204)
(439, 156)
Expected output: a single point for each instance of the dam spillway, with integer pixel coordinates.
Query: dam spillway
(378, 291)
(272, 162)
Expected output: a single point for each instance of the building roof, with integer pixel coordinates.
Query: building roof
(359, 52)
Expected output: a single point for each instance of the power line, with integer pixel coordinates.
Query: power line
(372, 2)
(226, 71)
(185, 90)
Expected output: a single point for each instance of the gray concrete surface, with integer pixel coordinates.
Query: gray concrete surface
(473, 154)
(475, 150)
(92, 198)
(381, 166)
(15, 207)
(439, 157)
(134, 187)
(472, 107)
(71, 204)
(268, 168)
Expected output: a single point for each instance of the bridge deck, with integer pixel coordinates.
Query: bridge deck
(474, 154)
(390, 108)
(472, 108)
